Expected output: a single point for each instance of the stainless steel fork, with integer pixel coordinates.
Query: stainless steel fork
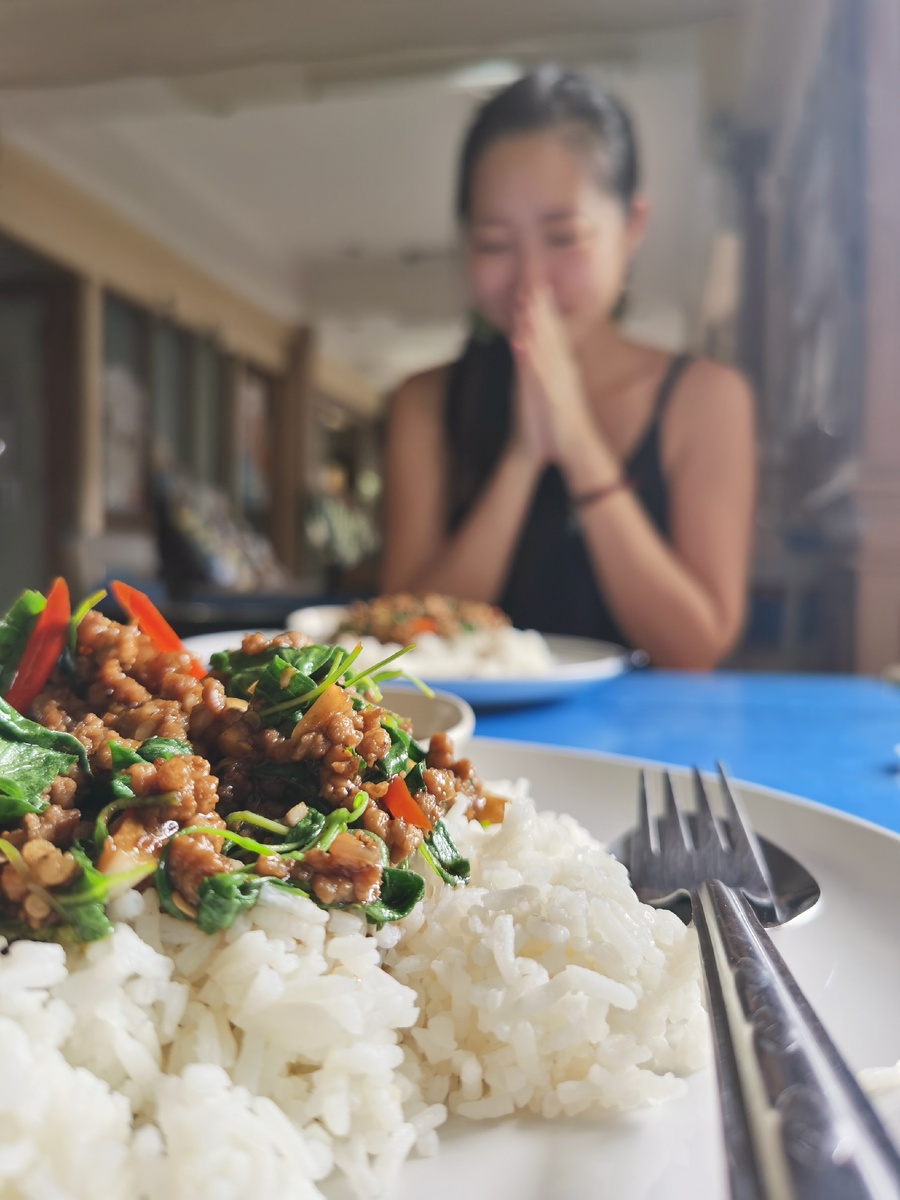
(796, 1122)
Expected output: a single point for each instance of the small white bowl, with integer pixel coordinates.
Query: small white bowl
(441, 713)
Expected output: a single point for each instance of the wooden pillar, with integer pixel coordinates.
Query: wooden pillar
(877, 618)
(89, 495)
(292, 402)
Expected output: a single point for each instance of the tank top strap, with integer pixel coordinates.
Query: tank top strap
(673, 373)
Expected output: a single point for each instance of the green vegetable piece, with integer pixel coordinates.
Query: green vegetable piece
(299, 837)
(415, 779)
(164, 888)
(83, 905)
(15, 629)
(78, 616)
(15, 931)
(443, 857)
(26, 771)
(401, 891)
(120, 803)
(16, 728)
(158, 747)
(397, 757)
(339, 819)
(123, 757)
(224, 896)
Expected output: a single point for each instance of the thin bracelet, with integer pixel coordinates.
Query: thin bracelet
(600, 493)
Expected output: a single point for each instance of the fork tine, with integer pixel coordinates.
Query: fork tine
(709, 833)
(674, 830)
(645, 829)
(743, 839)
(643, 851)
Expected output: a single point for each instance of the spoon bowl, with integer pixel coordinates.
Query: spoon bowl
(795, 889)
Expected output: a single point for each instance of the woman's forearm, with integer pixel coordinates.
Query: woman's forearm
(660, 605)
(474, 562)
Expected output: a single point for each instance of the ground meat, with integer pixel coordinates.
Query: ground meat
(62, 791)
(404, 617)
(311, 744)
(376, 820)
(185, 777)
(122, 690)
(374, 744)
(271, 867)
(349, 872)
(487, 808)
(55, 825)
(430, 807)
(191, 859)
(156, 718)
(49, 866)
(440, 751)
(402, 839)
(441, 784)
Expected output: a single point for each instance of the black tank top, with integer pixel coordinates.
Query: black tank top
(551, 585)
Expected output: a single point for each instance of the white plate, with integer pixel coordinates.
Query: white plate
(578, 663)
(843, 952)
(442, 712)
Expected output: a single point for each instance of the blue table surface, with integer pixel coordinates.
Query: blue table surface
(826, 737)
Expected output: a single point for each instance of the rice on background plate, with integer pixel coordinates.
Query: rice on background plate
(168, 1063)
(485, 654)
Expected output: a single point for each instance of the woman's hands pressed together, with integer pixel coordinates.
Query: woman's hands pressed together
(553, 418)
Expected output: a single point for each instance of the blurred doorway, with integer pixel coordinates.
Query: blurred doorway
(22, 483)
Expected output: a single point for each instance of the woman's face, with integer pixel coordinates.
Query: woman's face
(537, 215)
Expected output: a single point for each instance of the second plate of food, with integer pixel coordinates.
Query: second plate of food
(489, 668)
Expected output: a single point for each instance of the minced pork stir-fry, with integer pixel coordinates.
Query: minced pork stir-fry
(404, 617)
(125, 763)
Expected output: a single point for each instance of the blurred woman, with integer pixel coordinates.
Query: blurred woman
(586, 483)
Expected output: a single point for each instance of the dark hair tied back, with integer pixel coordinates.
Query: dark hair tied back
(548, 98)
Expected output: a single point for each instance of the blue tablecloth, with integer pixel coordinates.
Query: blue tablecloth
(828, 738)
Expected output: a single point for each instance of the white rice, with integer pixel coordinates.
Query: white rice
(486, 654)
(163, 1064)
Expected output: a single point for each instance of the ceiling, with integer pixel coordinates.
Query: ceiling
(46, 43)
(303, 152)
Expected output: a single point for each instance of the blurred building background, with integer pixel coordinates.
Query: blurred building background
(226, 233)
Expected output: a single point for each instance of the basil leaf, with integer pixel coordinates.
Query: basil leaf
(18, 931)
(415, 780)
(241, 670)
(26, 771)
(15, 629)
(397, 757)
(83, 905)
(308, 831)
(158, 747)
(123, 757)
(16, 728)
(401, 891)
(416, 753)
(223, 897)
(443, 857)
(304, 780)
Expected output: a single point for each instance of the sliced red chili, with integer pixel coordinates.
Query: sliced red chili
(423, 625)
(400, 803)
(150, 621)
(43, 648)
